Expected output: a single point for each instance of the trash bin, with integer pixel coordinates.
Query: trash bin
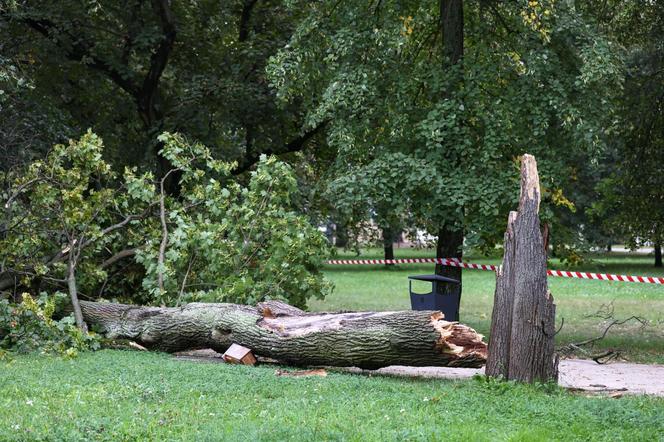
(434, 300)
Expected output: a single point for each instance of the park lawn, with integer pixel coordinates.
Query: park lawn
(378, 287)
(124, 395)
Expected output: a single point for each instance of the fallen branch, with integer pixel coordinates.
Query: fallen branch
(587, 346)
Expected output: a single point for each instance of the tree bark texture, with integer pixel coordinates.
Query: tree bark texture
(451, 20)
(523, 320)
(497, 363)
(279, 331)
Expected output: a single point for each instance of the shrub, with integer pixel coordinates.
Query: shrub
(29, 326)
(70, 218)
(238, 244)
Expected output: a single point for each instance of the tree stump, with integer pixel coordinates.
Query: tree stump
(521, 345)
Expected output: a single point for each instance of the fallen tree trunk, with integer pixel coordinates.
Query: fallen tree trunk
(279, 331)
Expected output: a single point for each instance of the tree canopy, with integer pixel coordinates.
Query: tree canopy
(233, 131)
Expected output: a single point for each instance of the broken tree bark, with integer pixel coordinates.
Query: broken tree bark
(497, 363)
(523, 320)
(279, 331)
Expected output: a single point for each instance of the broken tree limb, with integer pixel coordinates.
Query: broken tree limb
(523, 320)
(277, 330)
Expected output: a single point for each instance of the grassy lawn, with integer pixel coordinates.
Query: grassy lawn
(117, 395)
(121, 395)
(366, 287)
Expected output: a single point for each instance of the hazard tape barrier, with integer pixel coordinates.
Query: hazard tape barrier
(454, 262)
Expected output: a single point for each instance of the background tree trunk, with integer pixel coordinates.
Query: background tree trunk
(450, 245)
(451, 20)
(450, 238)
(658, 255)
(523, 318)
(390, 235)
(341, 235)
(279, 331)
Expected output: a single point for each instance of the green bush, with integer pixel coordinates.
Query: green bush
(237, 244)
(29, 326)
(215, 240)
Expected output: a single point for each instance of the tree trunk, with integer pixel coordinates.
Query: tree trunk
(451, 20)
(450, 245)
(450, 238)
(389, 236)
(523, 318)
(279, 331)
(73, 292)
(341, 235)
(388, 251)
(658, 255)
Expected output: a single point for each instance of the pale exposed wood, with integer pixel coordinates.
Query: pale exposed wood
(237, 354)
(302, 373)
(279, 331)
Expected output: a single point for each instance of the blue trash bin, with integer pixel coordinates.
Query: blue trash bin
(434, 300)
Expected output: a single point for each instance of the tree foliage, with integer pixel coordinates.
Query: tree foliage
(441, 141)
(631, 201)
(29, 326)
(134, 70)
(68, 224)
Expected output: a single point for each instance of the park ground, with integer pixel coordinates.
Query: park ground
(124, 395)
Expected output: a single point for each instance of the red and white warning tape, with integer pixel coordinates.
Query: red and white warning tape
(454, 262)
(606, 277)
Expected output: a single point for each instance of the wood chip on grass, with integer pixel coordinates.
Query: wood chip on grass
(301, 373)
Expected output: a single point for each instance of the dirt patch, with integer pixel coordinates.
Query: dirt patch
(577, 374)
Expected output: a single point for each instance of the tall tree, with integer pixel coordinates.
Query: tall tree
(136, 70)
(430, 105)
(631, 198)
(451, 235)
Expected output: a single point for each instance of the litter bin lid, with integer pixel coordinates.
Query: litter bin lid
(432, 278)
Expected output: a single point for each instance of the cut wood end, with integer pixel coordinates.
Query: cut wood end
(436, 316)
(530, 187)
(274, 309)
(237, 354)
(459, 340)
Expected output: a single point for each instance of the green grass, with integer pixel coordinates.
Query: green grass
(119, 395)
(366, 287)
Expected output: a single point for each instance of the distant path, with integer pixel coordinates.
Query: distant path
(574, 373)
(639, 251)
